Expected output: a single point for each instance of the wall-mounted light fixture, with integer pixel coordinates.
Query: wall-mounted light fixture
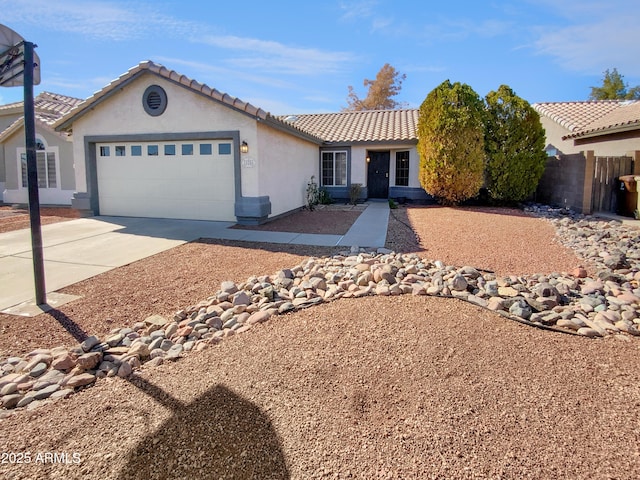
(368, 158)
(244, 147)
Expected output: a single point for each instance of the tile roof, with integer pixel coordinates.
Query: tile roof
(49, 107)
(592, 117)
(52, 106)
(625, 117)
(10, 107)
(160, 70)
(363, 126)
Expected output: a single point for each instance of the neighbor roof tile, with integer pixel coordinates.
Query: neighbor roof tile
(583, 118)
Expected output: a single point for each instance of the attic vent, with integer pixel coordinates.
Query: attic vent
(154, 100)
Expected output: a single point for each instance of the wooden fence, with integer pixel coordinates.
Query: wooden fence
(605, 189)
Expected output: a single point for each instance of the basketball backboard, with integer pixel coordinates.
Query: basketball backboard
(12, 59)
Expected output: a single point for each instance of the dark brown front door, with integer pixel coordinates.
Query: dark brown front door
(378, 175)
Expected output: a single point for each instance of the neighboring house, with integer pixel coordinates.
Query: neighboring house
(606, 127)
(154, 143)
(54, 155)
(590, 145)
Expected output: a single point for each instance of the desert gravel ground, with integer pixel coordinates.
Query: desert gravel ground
(378, 387)
(17, 218)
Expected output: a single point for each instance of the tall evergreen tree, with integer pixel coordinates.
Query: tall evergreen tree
(451, 143)
(614, 88)
(514, 145)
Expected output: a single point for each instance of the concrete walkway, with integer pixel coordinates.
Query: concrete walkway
(79, 249)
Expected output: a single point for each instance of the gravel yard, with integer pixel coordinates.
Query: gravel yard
(17, 218)
(377, 387)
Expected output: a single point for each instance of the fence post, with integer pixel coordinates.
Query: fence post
(587, 192)
(635, 155)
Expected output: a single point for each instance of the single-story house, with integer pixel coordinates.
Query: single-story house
(606, 127)
(54, 152)
(155, 143)
(590, 144)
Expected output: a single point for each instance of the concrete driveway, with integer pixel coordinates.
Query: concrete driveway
(79, 249)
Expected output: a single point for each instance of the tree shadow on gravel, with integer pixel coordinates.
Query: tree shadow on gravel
(219, 435)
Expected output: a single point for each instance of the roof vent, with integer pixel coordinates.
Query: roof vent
(154, 100)
(290, 118)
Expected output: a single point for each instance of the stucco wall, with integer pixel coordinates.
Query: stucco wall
(615, 145)
(283, 166)
(187, 111)
(66, 173)
(5, 121)
(606, 145)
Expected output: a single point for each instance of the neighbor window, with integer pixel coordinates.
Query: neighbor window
(187, 149)
(121, 151)
(152, 150)
(169, 149)
(136, 150)
(205, 149)
(334, 168)
(402, 169)
(104, 151)
(46, 163)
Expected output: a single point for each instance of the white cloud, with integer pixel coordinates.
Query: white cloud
(592, 47)
(275, 57)
(358, 10)
(206, 70)
(96, 19)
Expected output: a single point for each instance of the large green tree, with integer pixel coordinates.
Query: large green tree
(614, 88)
(514, 146)
(386, 85)
(451, 143)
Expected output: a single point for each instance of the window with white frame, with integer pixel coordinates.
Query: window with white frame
(334, 168)
(47, 165)
(402, 169)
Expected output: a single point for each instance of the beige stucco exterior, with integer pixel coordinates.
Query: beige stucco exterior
(15, 193)
(123, 114)
(276, 168)
(611, 145)
(7, 117)
(282, 167)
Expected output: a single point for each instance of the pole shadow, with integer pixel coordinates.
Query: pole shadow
(68, 324)
(218, 435)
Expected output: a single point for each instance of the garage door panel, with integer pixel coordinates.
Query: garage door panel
(190, 187)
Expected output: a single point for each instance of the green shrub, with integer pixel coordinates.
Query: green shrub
(451, 143)
(514, 146)
(324, 197)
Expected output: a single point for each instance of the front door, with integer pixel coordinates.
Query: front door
(378, 174)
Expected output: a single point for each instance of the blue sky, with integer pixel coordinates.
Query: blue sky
(299, 57)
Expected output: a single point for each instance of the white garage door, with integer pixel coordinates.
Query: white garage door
(189, 180)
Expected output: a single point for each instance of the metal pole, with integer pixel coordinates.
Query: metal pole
(32, 175)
